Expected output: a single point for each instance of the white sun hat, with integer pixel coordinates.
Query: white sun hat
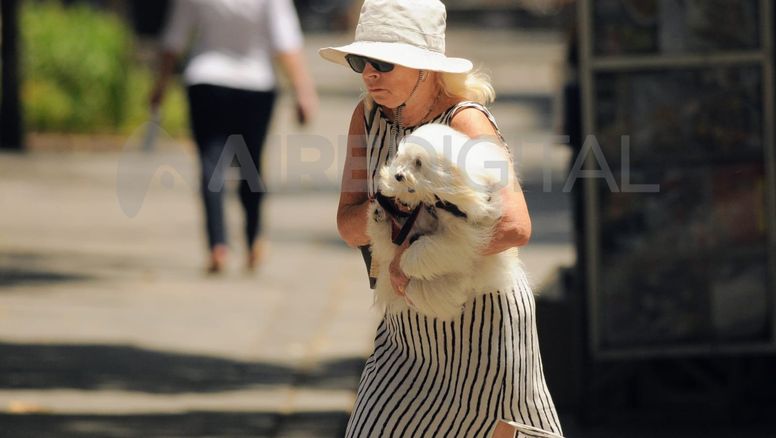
(405, 32)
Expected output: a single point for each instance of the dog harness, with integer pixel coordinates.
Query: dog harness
(399, 232)
(450, 207)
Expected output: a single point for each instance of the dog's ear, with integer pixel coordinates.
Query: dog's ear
(382, 177)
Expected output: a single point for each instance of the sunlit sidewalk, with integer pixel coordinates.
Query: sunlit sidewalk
(109, 327)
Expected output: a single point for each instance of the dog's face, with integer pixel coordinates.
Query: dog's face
(413, 175)
(438, 162)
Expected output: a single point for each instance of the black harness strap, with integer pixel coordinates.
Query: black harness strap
(450, 207)
(389, 206)
(407, 227)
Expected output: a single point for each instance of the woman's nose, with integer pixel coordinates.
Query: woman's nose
(370, 72)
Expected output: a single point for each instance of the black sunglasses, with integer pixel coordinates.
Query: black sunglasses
(358, 64)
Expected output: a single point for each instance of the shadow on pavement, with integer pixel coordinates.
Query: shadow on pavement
(19, 276)
(190, 424)
(26, 268)
(91, 367)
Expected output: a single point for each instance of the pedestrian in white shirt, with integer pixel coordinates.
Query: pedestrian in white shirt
(231, 87)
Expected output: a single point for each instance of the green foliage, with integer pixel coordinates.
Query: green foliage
(79, 74)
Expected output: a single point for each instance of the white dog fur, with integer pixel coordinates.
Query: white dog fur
(444, 261)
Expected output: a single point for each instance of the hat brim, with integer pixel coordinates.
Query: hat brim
(398, 53)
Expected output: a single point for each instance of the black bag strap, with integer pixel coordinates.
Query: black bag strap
(407, 227)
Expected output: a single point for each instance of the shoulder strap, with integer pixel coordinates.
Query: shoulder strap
(370, 110)
(370, 119)
(448, 119)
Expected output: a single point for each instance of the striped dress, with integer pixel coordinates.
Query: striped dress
(457, 378)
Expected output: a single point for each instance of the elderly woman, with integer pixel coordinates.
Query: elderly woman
(480, 374)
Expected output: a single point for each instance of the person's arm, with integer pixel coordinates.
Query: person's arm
(287, 43)
(164, 72)
(354, 198)
(295, 69)
(175, 36)
(514, 227)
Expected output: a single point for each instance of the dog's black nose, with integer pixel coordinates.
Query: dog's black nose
(399, 177)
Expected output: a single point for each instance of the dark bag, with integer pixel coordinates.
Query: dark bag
(366, 252)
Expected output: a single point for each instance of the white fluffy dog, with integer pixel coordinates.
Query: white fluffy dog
(454, 183)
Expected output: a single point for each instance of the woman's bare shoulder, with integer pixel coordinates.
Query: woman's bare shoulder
(357, 119)
(472, 122)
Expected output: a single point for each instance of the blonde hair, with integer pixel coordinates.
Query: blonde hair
(474, 86)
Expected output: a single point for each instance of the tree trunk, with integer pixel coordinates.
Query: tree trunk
(11, 135)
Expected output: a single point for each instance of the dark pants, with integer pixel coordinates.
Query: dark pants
(230, 125)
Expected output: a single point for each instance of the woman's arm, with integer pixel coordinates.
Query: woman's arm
(164, 72)
(354, 198)
(287, 43)
(295, 69)
(178, 30)
(514, 227)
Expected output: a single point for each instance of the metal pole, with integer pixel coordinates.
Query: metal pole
(11, 134)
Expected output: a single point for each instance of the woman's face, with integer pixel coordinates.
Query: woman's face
(392, 88)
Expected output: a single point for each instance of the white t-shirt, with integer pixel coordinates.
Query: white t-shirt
(234, 40)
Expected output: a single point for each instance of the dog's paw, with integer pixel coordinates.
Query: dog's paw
(377, 213)
(378, 228)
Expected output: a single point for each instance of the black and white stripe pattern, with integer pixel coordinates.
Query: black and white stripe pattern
(453, 378)
(456, 378)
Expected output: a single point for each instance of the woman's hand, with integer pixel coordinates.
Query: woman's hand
(163, 75)
(156, 96)
(306, 106)
(295, 68)
(399, 280)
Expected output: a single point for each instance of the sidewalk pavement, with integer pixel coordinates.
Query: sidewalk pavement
(108, 327)
(101, 313)
(106, 315)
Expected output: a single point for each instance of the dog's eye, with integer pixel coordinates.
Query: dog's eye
(417, 162)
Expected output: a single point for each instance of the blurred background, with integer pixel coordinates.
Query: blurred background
(656, 275)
